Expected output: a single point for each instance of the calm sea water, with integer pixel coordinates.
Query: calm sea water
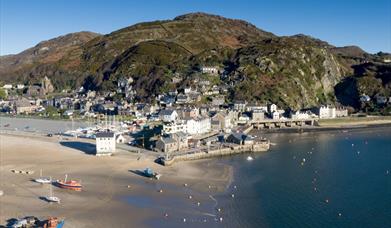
(345, 181)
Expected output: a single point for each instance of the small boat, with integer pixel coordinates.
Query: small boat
(69, 184)
(149, 173)
(53, 222)
(43, 180)
(249, 158)
(51, 198)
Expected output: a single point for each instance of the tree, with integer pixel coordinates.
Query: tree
(3, 94)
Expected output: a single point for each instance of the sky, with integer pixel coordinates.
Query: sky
(24, 23)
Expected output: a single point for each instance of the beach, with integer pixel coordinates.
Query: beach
(115, 193)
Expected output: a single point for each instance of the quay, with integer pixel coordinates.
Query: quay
(222, 150)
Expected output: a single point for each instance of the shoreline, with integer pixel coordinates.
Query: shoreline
(298, 130)
(105, 182)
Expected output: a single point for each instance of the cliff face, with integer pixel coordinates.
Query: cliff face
(296, 71)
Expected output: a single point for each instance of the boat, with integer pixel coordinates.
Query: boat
(249, 158)
(51, 198)
(69, 184)
(43, 180)
(53, 222)
(149, 173)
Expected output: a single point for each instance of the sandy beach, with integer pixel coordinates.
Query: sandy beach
(114, 193)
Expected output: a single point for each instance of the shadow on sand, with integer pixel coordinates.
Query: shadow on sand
(44, 199)
(87, 148)
(138, 172)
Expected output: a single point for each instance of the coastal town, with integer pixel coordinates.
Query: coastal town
(183, 123)
(195, 114)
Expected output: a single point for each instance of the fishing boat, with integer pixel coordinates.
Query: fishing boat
(51, 198)
(54, 223)
(69, 184)
(43, 180)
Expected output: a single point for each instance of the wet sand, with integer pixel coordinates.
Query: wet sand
(106, 199)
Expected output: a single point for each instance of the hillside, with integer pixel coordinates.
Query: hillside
(297, 71)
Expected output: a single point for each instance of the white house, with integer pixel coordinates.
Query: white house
(7, 86)
(198, 126)
(272, 108)
(174, 127)
(300, 115)
(168, 115)
(209, 70)
(326, 112)
(276, 115)
(105, 143)
(20, 86)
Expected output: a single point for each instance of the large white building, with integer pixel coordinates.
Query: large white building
(196, 126)
(105, 143)
(326, 112)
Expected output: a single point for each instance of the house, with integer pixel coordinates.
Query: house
(240, 105)
(173, 142)
(166, 145)
(298, 115)
(190, 112)
(341, 112)
(381, 99)
(168, 115)
(325, 112)
(222, 121)
(174, 127)
(252, 107)
(217, 101)
(209, 70)
(271, 108)
(120, 138)
(182, 140)
(275, 115)
(24, 106)
(257, 115)
(105, 143)
(199, 125)
(187, 90)
(244, 118)
(176, 79)
(182, 99)
(365, 98)
(240, 138)
(20, 86)
(7, 86)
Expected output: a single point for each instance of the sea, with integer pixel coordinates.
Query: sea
(318, 179)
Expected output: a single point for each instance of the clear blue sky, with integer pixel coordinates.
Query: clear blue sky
(340, 22)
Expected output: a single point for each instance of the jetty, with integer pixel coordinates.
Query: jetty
(223, 149)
